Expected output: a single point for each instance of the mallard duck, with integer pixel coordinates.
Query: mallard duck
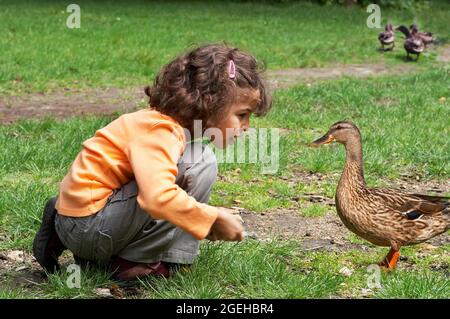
(384, 217)
(413, 43)
(387, 37)
(426, 37)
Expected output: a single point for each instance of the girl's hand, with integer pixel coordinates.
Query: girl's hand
(227, 226)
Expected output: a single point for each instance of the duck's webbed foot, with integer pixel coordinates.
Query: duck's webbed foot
(390, 261)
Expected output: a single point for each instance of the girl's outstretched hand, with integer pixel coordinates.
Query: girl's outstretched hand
(228, 226)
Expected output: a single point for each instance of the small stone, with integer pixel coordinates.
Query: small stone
(442, 99)
(16, 256)
(103, 293)
(307, 234)
(237, 201)
(346, 271)
(251, 235)
(403, 258)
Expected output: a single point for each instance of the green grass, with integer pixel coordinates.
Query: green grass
(39, 53)
(37, 154)
(249, 270)
(315, 210)
(405, 130)
(253, 269)
(416, 285)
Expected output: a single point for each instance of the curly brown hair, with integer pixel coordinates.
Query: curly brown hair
(197, 86)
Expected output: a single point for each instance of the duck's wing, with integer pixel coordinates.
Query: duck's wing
(412, 206)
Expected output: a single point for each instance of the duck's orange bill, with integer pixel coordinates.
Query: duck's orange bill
(326, 139)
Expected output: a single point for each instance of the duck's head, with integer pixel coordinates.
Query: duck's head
(341, 132)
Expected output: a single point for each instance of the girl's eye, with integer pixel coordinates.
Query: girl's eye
(243, 115)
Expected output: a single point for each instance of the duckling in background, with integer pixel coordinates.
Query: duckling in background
(384, 217)
(413, 43)
(387, 37)
(426, 37)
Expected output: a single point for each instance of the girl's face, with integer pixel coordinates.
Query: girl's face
(235, 122)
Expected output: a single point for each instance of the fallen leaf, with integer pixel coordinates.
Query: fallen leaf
(426, 247)
(116, 291)
(103, 293)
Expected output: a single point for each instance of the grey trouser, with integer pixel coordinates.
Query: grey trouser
(122, 228)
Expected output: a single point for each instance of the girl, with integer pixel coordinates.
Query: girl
(136, 195)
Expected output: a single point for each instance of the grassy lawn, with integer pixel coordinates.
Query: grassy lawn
(404, 125)
(126, 43)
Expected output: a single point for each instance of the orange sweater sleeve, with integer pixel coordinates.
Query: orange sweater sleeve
(153, 157)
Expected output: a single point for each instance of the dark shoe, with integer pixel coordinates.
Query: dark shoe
(47, 246)
(126, 270)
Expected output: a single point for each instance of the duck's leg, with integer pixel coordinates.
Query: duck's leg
(390, 261)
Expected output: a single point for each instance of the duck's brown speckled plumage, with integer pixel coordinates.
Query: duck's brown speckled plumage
(426, 37)
(385, 217)
(414, 43)
(387, 37)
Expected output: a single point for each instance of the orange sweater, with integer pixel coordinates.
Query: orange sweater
(144, 145)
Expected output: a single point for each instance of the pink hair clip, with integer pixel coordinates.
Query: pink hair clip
(231, 70)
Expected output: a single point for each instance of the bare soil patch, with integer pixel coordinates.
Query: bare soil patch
(68, 103)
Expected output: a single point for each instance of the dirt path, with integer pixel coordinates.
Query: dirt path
(289, 77)
(67, 103)
(327, 231)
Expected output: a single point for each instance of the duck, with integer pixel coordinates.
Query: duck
(413, 43)
(383, 216)
(427, 37)
(387, 37)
